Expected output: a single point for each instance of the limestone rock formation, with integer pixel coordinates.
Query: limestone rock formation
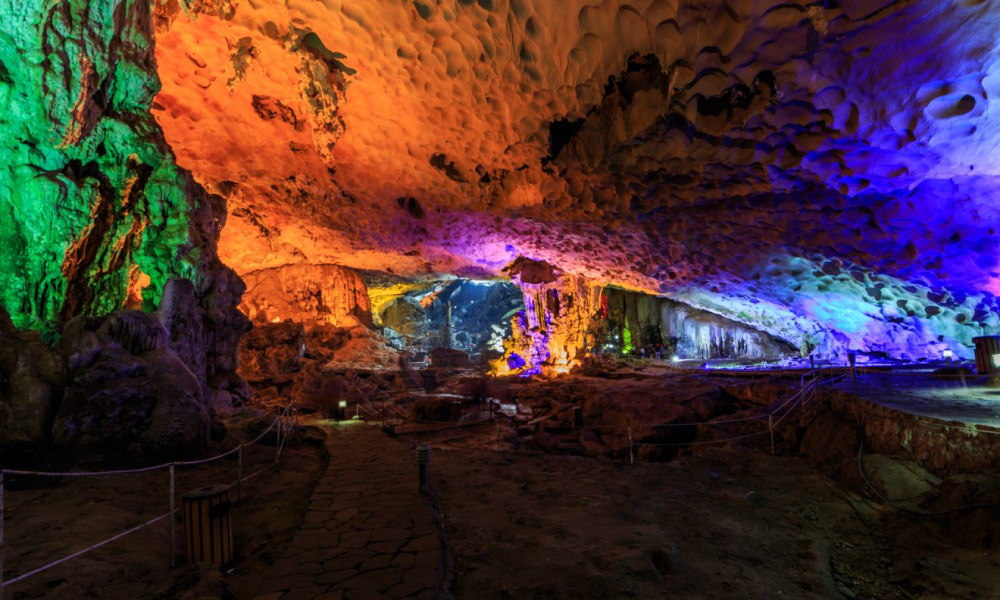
(145, 383)
(98, 223)
(468, 315)
(567, 317)
(821, 175)
(307, 293)
(272, 348)
(96, 214)
(820, 172)
(32, 376)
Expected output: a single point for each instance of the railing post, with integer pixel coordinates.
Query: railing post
(423, 463)
(770, 429)
(631, 455)
(277, 444)
(1, 534)
(173, 521)
(819, 376)
(854, 377)
(239, 471)
(854, 371)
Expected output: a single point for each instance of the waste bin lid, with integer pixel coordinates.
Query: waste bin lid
(207, 491)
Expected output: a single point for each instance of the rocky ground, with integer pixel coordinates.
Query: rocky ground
(535, 506)
(567, 516)
(48, 519)
(727, 523)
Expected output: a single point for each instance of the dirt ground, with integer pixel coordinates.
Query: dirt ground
(728, 522)
(725, 523)
(48, 519)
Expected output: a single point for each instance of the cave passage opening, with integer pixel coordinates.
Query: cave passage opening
(467, 315)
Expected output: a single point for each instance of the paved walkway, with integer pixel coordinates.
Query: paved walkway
(368, 533)
(969, 401)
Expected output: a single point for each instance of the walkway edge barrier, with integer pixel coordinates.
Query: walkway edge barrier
(171, 466)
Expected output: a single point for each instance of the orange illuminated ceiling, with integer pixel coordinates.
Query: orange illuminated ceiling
(694, 140)
(323, 114)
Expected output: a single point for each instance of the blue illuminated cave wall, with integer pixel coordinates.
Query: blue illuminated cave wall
(826, 173)
(463, 314)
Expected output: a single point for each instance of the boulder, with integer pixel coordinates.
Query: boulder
(31, 379)
(405, 316)
(149, 402)
(898, 479)
(318, 390)
(272, 349)
(366, 350)
(449, 357)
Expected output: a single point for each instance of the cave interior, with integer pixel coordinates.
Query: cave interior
(606, 226)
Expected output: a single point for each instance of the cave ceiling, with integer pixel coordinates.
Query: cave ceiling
(741, 156)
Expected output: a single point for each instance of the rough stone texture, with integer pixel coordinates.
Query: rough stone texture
(822, 172)
(898, 479)
(96, 214)
(31, 380)
(944, 448)
(149, 403)
(110, 384)
(567, 317)
(307, 293)
(272, 348)
(128, 387)
(469, 315)
(314, 364)
(97, 220)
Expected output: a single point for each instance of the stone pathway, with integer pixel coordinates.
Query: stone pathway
(970, 401)
(368, 533)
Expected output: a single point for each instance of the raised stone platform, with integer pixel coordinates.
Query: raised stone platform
(968, 400)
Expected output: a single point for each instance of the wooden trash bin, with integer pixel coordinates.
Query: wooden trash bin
(208, 528)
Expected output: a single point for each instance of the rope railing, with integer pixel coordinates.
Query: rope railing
(179, 463)
(800, 398)
(280, 444)
(758, 417)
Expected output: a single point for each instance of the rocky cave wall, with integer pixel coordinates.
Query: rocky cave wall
(307, 293)
(567, 317)
(98, 223)
(749, 159)
(631, 322)
(823, 172)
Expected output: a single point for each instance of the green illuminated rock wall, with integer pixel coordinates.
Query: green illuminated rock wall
(91, 200)
(98, 223)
